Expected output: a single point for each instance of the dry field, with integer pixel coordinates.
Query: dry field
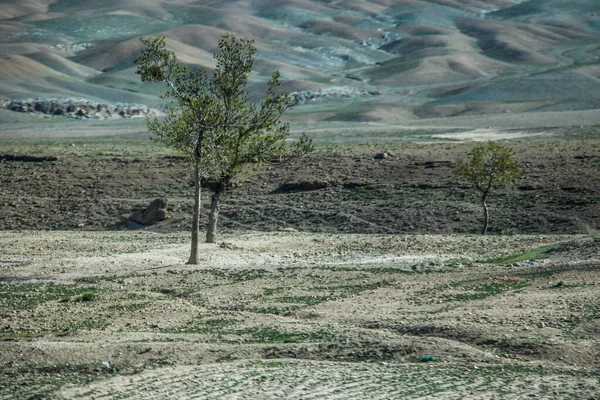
(118, 315)
(323, 293)
(337, 276)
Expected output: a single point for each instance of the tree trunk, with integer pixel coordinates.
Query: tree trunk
(196, 220)
(486, 214)
(213, 217)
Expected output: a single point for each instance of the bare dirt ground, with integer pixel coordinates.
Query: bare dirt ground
(336, 276)
(298, 316)
(340, 188)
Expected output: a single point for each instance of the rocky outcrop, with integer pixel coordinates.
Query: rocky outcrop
(334, 92)
(156, 211)
(80, 109)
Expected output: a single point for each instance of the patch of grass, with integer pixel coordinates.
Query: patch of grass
(239, 275)
(563, 285)
(10, 336)
(128, 306)
(306, 300)
(296, 302)
(277, 310)
(206, 326)
(271, 291)
(85, 297)
(390, 270)
(482, 291)
(526, 256)
(227, 358)
(30, 295)
(578, 316)
(266, 334)
(38, 381)
(351, 289)
(92, 323)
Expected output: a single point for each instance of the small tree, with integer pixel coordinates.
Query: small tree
(210, 121)
(492, 165)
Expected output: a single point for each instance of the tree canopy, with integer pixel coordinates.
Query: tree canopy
(211, 121)
(491, 165)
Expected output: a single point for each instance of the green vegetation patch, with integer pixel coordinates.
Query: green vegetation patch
(312, 295)
(239, 275)
(30, 295)
(480, 291)
(526, 256)
(256, 334)
(266, 334)
(350, 289)
(39, 381)
(219, 326)
(308, 300)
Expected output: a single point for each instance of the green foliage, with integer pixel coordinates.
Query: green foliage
(189, 105)
(210, 120)
(492, 164)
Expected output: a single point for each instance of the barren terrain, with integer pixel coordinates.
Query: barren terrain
(296, 315)
(355, 272)
(337, 276)
(106, 170)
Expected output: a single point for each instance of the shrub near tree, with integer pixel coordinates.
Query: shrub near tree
(491, 165)
(211, 121)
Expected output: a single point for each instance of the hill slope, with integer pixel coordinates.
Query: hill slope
(417, 55)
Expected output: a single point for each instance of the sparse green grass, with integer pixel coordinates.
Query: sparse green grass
(85, 297)
(239, 275)
(38, 381)
(28, 296)
(293, 292)
(563, 285)
(266, 334)
(480, 291)
(526, 256)
(128, 306)
(301, 297)
(206, 326)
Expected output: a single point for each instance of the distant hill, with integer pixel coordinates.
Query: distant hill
(422, 57)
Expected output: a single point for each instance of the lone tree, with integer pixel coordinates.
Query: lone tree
(492, 165)
(211, 121)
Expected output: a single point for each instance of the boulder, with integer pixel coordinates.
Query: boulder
(156, 211)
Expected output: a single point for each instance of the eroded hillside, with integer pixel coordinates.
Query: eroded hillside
(423, 58)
